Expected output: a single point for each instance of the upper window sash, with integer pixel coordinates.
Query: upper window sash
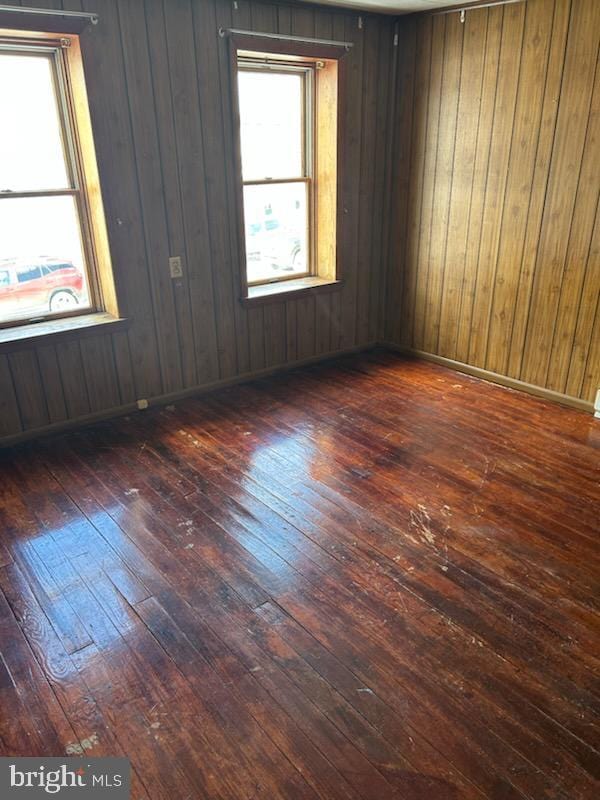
(295, 103)
(40, 143)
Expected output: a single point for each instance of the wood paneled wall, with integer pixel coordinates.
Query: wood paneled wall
(158, 84)
(495, 253)
(487, 213)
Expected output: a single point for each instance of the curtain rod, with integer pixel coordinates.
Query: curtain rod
(82, 15)
(284, 37)
(462, 9)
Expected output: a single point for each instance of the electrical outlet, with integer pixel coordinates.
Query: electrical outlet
(142, 404)
(175, 267)
(597, 405)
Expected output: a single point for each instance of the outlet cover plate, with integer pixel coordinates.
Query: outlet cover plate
(175, 267)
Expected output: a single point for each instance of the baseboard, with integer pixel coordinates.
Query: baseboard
(167, 399)
(195, 391)
(494, 377)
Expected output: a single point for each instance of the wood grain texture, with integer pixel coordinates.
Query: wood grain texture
(495, 259)
(250, 596)
(158, 81)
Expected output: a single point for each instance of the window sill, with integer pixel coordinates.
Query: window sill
(36, 333)
(289, 290)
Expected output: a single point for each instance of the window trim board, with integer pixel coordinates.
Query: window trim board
(307, 71)
(329, 83)
(53, 331)
(82, 166)
(279, 291)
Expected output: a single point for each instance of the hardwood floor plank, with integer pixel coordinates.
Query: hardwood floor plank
(311, 514)
(120, 437)
(367, 578)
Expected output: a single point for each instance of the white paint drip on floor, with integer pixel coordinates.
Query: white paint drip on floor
(79, 748)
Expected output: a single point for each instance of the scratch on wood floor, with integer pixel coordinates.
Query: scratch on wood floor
(422, 521)
(488, 472)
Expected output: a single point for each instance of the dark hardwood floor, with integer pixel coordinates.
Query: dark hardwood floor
(373, 578)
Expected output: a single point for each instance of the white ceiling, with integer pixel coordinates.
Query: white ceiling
(389, 6)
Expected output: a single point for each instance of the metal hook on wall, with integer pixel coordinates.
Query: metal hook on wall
(463, 15)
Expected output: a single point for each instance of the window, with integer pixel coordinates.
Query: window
(29, 274)
(53, 250)
(276, 116)
(285, 97)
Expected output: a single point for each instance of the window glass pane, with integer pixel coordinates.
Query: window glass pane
(34, 233)
(31, 149)
(271, 114)
(29, 273)
(276, 223)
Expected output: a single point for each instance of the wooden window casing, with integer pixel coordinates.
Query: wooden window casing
(84, 183)
(327, 68)
(307, 73)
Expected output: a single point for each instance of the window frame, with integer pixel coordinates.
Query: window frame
(327, 58)
(307, 70)
(64, 52)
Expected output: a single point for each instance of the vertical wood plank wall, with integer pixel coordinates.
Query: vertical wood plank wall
(495, 252)
(157, 75)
